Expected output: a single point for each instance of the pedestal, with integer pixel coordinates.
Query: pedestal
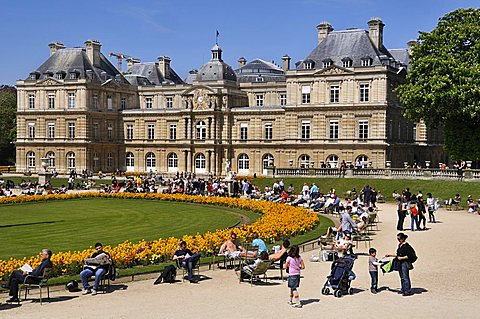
(44, 177)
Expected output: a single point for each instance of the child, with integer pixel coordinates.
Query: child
(247, 270)
(293, 265)
(373, 264)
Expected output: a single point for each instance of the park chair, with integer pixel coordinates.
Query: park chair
(184, 269)
(372, 222)
(260, 270)
(41, 282)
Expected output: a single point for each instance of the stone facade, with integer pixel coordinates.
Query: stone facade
(337, 104)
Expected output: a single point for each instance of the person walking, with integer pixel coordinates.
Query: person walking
(405, 257)
(402, 212)
(431, 208)
(294, 265)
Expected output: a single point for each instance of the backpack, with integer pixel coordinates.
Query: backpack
(412, 256)
(167, 275)
(112, 272)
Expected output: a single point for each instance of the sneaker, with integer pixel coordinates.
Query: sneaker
(373, 291)
(86, 291)
(291, 303)
(297, 305)
(94, 292)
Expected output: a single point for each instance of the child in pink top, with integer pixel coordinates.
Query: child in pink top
(294, 265)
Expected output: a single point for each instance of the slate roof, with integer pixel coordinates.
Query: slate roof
(402, 56)
(259, 70)
(216, 69)
(75, 60)
(353, 43)
(137, 80)
(151, 71)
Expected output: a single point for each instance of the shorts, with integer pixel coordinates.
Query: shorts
(294, 281)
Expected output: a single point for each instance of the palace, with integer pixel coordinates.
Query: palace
(81, 112)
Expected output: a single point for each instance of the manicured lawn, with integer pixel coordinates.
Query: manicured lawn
(78, 224)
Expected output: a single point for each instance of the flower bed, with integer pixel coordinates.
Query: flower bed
(277, 221)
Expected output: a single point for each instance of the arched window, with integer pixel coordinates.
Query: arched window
(51, 159)
(201, 131)
(71, 160)
(304, 161)
(31, 159)
(172, 161)
(332, 160)
(361, 161)
(150, 161)
(200, 161)
(129, 159)
(268, 161)
(243, 162)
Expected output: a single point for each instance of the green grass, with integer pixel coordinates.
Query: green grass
(439, 188)
(77, 224)
(57, 182)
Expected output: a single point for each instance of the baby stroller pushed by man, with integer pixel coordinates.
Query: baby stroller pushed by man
(340, 277)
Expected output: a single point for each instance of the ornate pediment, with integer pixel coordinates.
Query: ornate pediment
(110, 84)
(49, 81)
(333, 70)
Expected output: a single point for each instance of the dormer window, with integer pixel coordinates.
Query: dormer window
(33, 76)
(367, 61)
(347, 62)
(60, 75)
(309, 64)
(259, 79)
(72, 76)
(327, 63)
(48, 74)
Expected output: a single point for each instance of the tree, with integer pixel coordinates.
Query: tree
(443, 83)
(8, 109)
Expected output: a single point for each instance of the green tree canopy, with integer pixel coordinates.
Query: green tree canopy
(8, 109)
(443, 84)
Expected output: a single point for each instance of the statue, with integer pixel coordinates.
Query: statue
(227, 166)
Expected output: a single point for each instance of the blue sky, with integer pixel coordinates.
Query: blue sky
(185, 29)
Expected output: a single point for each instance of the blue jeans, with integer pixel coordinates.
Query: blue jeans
(190, 263)
(405, 278)
(87, 273)
(414, 222)
(374, 277)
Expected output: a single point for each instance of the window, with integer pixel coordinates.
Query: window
(51, 100)
(172, 161)
(150, 161)
(71, 160)
(109, 102)
(95, 102)
(363, 129)
(51, 159)
(334, 129)
(31, 130)
(347, 63)
(259, 99)
(148, 102)
(71, 130)
(110, 131)
(129, 131)
(304, 161)
(72, 76)
(31, 160)
(31, 101)
(109, 159)
(123, 103)
(201, 131)
(173, 131)
(268, 131)
(327, 63)
(169, 102)
(305, 130)
(362, 161)
(59, 76)
(51, 130)
(366, 61)
(71, 100)
(283, 99)
(200, 161)
(334, 93)
(243, 161)
(305, 94)
(130, 159)
(150, 131)
(332, 161)
(308, 65)
(268, 161)
(95, 131)
(364, 90)
(243, 131)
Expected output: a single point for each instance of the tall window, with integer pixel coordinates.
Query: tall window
(51, 100)
(259, 99)
(268, 131)
(129, 131)
(200, 161)
(364, 90)
(31, 130)
(71, 100)
(130, 159)
(305, 94)
(334, 94)
(201, 131)
(150, 161)
(51, 159)
(332, 160)
(31, 160)
(148, 102)
(244, 131)
(283, 99)
(51, 130)
(173, 131)
(305, 130)
(268, 161)
(31, 101)
(334, 129)
(172, 160)
(363, 129)
(95, 131)
(71, 130)
(110, 131)
(150, 131)
(109, 159)
(109, 102)
(304, 161)
(71, 160)
(123, 103)
(96, 103)
(169, 102)
(243, 161)
(363, 159)
(96, 159)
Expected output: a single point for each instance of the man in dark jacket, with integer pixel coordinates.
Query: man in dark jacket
(96, 269)
(20, 276)
(187, 259)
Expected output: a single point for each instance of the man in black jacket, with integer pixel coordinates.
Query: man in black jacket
(187, 259)
(20, 277)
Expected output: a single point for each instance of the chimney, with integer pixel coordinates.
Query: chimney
(241, 62)
(164, 66)
(375, 32)
(410, 45)
(131, 62)
(55, 46)
(286, 62)
(93, 51)
(324, 28)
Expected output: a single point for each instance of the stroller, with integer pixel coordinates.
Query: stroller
(339, 279)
